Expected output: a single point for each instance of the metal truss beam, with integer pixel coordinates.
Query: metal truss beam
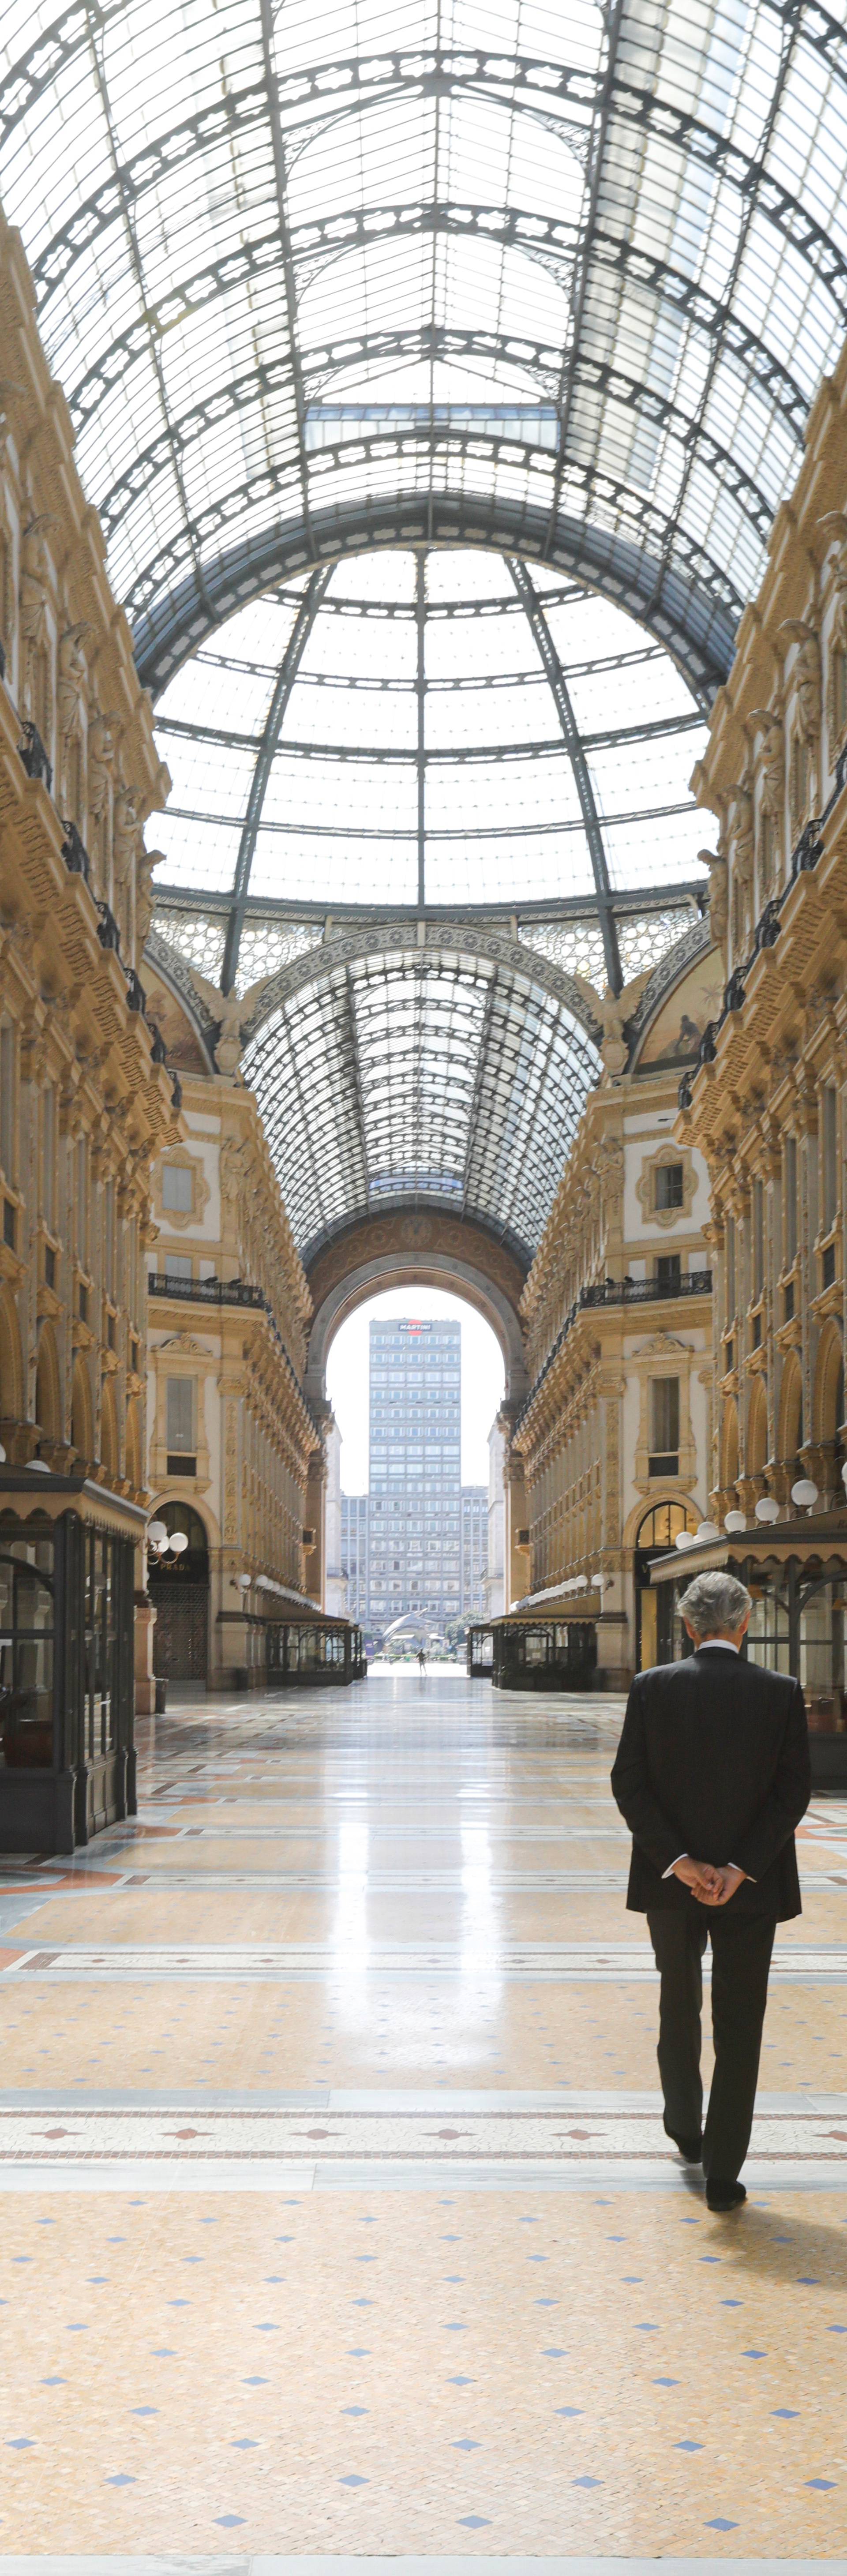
(251, 260)
(582, 776)
(520, 86)
(294, 369)
(696, 620)
(177, 727)
(590, 201)
(560, 908)
(461, 756)
(288, 670)
(56, 46)
(247, 390)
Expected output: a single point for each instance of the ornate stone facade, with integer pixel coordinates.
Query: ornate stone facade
(85, 1102)
(766, 1104)
(231, 1436)
(613, 1439)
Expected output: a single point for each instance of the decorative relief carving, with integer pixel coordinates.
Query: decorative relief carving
(646, 1185)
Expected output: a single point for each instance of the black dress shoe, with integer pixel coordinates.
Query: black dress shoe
(691, 2149)
(724, 2195)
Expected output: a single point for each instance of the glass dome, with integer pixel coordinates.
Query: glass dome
(436, 727)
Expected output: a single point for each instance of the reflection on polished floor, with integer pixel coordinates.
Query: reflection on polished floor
(335, 2177)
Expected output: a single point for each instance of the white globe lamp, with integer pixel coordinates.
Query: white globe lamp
(707, 1530)
(179, 1542)
(157, 1535)
(804, 1494)
(734, 1523)
(767, 1509)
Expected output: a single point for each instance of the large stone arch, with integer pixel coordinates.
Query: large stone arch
(426, 1250)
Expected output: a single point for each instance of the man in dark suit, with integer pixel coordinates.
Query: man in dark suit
(713, 1761)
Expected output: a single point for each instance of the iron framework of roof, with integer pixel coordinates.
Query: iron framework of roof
(560, 285)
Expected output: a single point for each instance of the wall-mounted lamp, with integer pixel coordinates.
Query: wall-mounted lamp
(766, 1508)
(734, 1523)
(804, 1494)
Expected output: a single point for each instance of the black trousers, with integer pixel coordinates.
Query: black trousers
(741, 1957)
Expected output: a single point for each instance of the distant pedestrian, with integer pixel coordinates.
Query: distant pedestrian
(421, 1660)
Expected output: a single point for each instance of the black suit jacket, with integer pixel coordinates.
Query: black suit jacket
(714, 1761)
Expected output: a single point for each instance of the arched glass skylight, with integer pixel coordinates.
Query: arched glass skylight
(403, 743)
(561, 279)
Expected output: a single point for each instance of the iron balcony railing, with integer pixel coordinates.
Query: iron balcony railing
(227, 1292)
(617, 1292)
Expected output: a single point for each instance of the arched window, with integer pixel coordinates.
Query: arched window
(47, 1395)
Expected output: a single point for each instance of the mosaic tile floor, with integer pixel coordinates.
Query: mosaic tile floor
(339, 2221)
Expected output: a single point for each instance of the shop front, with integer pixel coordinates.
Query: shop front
(67, 1752)
(797, 1575)
(306, 1652)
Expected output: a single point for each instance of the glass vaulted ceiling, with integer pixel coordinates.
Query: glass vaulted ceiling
(563, 279)
(390, 732)
(341, 297)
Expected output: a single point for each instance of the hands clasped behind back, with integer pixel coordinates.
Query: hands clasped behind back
(709, 1885)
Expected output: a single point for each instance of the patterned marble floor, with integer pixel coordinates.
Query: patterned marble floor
(330, 2133)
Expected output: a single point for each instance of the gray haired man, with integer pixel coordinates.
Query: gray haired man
(712, 1775)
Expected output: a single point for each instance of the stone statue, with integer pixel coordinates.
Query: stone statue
(35, 581)
(147, 861)
(232, 1012)
(72, 677)
(614, 1011)
(101, 753)
(715, 861)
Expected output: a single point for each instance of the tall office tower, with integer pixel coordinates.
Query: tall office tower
(354, 1555)
(415, 1535)
(474, 1551)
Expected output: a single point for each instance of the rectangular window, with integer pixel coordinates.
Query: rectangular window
(9, 1214)
(82, 1202)
(665, 1408)
(177, 1189)
(668, 1185)
(48, 1156)
(790, 1200)
(758, 1237)
(109, 1238)
(7, 1099)
(180, 1414)
(177, 1265)
(830, 1159)
(669, 1269)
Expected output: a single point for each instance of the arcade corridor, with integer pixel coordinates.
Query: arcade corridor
(335, 2174)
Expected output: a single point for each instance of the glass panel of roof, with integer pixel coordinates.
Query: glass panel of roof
(501, 808)
(433, 207)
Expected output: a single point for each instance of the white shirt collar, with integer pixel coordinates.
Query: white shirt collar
(708, 1645)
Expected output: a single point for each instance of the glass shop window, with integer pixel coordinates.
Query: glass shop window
(668, 1186)
(177, 1189)
(7, 1099)
(767, 1635)
(829, 1141)
(26, 1652)
(180, 1415)
(101, 1644)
